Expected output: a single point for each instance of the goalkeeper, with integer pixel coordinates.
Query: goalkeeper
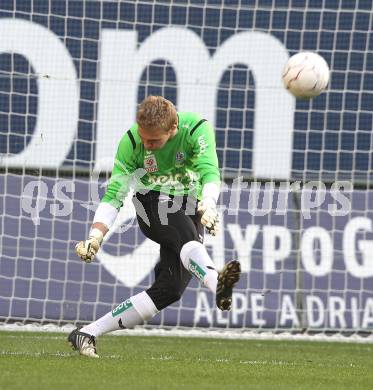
(173, 158)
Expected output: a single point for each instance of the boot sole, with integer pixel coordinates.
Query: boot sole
(227, 279)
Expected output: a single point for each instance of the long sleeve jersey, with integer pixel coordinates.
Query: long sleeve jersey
(182, 166)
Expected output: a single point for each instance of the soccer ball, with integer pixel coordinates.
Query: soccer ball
(306, 75)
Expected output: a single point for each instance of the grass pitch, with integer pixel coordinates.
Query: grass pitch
(45, 361)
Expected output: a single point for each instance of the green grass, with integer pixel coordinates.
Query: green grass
(44, 361)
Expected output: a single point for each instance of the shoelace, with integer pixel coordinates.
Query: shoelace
(92, 341)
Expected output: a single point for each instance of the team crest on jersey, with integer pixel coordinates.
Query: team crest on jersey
(150, 163)
(179, 158)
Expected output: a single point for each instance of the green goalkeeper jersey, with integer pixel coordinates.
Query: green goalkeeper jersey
(181, 167)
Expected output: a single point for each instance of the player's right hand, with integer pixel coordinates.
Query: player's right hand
(87, 249)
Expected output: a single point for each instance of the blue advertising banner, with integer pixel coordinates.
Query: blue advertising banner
(306, 264)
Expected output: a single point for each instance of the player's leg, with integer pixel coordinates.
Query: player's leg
(171, 279)
(181, 233)
(197, 260)
(184, 234)
(192, 254)
(133, 311)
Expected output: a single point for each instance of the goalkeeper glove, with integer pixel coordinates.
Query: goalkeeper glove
(87, 249)
(209, 215)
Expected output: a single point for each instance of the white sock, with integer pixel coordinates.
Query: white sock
(198, 262)
(134, 311)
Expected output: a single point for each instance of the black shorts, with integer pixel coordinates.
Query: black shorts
(171, 230)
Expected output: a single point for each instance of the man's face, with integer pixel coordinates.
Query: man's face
(155, 139)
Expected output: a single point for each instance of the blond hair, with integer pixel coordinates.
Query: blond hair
(156, 113)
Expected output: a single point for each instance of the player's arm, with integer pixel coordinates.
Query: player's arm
(207, 166)
(111, 202)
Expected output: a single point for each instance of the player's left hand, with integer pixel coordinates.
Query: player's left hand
(209, 215)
